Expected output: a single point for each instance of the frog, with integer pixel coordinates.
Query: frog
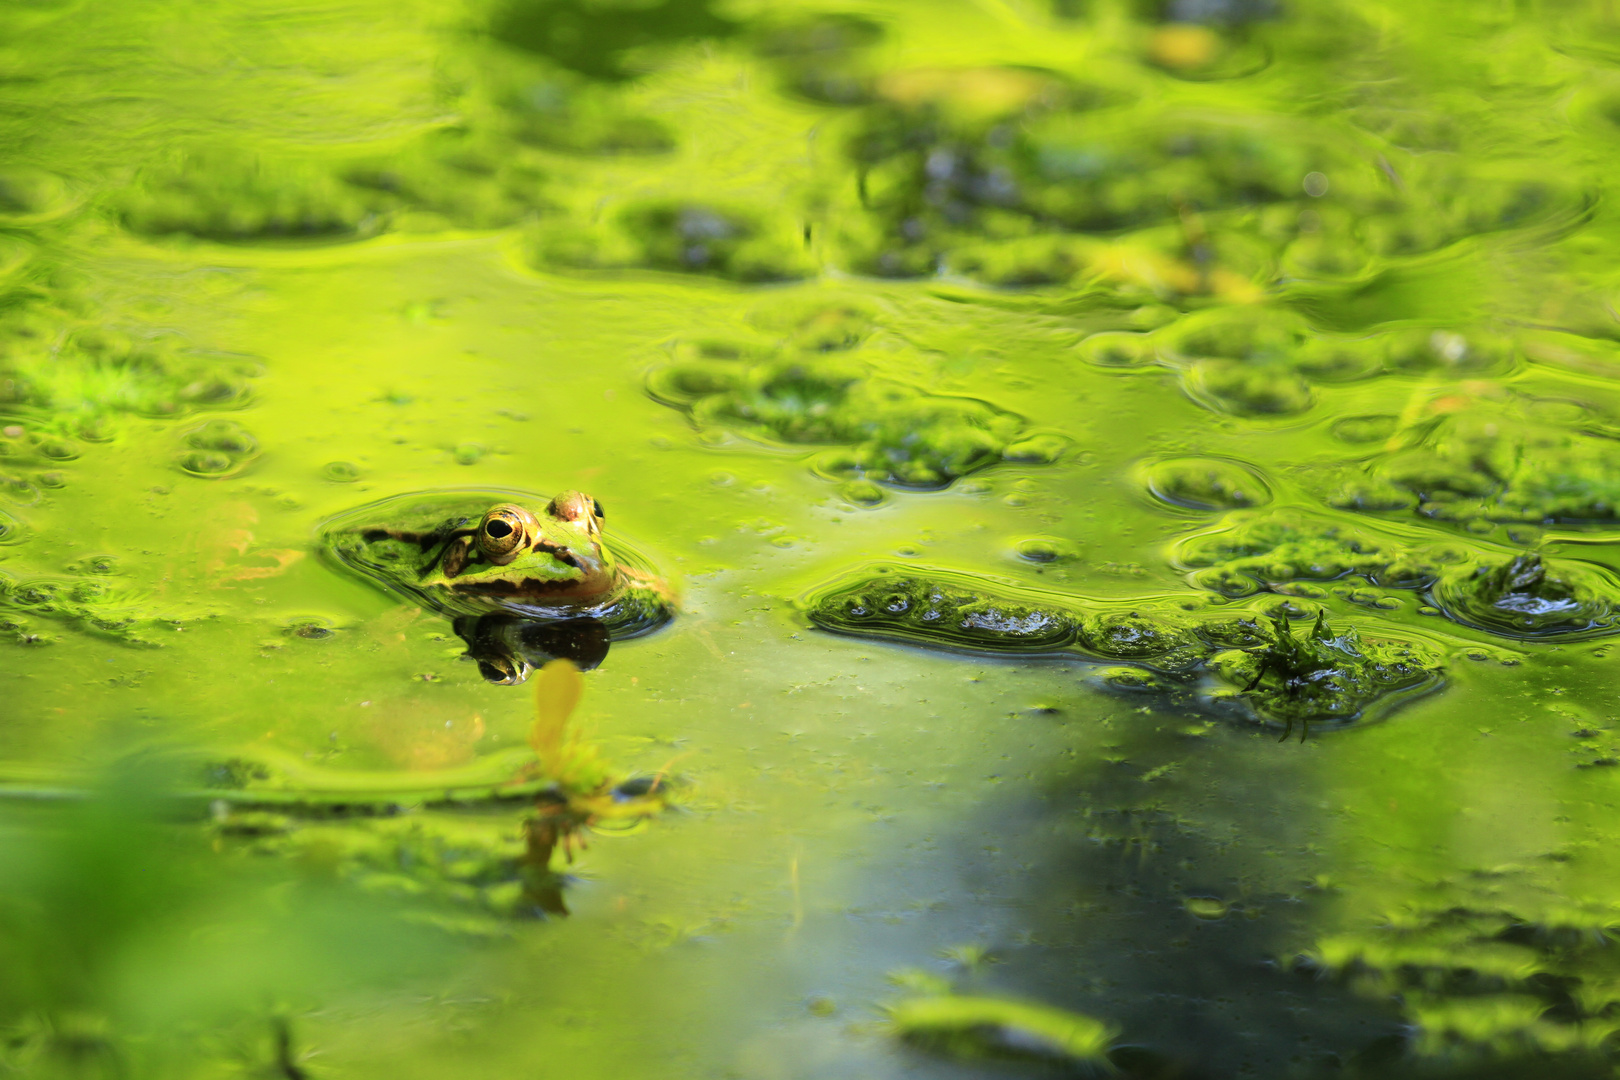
(471, 552)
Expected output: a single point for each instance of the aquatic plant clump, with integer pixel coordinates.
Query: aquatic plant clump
(546, 105)
(895, 433)
(461, 178)
(1219, 660)
(95, 603)
(944, 612)
(944, 169)
(1529, 597)
(1194, 483)
(1327, 674)
(1250, 551)
(222, 194)
(691, 237)
(1519, 596)
(1466, 455)
(83, 379)
(825, 57)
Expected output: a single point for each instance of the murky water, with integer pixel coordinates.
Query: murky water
(1134, 483)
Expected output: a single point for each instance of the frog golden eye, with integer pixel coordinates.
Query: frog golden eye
(504, 531)
(601, 514)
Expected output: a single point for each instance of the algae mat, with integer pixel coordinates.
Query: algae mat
(1130, 484)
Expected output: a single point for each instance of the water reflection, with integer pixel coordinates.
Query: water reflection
(507, 648)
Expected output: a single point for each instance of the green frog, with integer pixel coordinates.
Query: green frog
(473, 552)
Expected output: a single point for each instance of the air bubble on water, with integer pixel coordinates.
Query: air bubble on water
(341, 472)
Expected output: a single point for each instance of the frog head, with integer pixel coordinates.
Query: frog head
(553, 556)
(470, 552)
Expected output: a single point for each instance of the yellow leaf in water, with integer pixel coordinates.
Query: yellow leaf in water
(556, 693)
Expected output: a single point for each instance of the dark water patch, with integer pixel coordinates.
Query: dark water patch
(506, 649)
(1481, 983)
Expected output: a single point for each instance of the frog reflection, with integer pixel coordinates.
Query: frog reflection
(506, 648)
(524, 578)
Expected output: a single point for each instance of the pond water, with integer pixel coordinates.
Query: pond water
(1124, 496)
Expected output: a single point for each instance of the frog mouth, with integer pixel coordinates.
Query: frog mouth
(533, 587)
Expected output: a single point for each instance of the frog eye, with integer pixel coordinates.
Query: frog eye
(574, 506)
(504, 530)
(601, 514)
